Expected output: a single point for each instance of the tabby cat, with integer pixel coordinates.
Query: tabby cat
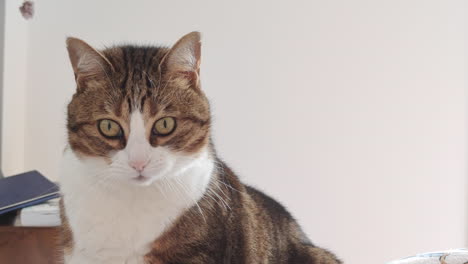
(141, 180)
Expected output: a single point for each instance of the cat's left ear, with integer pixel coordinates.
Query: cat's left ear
(184, 57)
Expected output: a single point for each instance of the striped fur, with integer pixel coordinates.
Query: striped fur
(230, 222)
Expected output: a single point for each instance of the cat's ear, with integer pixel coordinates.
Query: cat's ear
(184, 57)
(86, 61)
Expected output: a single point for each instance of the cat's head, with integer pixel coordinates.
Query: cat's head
(139, 110)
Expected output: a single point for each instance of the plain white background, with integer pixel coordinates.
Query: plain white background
(351, 113)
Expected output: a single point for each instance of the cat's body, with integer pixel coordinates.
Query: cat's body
(141, 181)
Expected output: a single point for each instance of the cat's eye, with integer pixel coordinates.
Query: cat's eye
(164, 126)
(110, 128)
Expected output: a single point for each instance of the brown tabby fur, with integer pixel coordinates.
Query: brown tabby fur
(241, 225)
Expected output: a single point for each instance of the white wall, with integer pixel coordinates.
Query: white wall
(352, 113)
(14, 89)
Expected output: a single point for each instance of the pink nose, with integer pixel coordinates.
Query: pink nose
(139, 165)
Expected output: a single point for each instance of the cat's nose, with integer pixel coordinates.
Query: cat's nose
(138, 165)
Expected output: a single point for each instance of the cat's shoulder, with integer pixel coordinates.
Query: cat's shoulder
(267, 202)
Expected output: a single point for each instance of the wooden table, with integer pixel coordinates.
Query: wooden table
(29, 245)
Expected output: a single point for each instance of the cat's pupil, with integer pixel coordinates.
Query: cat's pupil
(165, 124)
(108, 126)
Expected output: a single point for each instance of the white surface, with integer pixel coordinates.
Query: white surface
(352, 113)
(45, 214)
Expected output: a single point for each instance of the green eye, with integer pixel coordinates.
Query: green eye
(109, 128)
(164, 126)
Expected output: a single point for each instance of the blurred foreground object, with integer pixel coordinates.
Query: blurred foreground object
(455, 256)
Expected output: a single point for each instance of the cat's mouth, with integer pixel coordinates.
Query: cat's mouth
(142, 180)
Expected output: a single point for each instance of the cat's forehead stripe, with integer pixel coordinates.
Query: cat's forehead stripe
(137, 126)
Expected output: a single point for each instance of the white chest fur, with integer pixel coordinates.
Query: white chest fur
(116, 221)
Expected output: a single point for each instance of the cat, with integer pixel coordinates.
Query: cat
(140, 178)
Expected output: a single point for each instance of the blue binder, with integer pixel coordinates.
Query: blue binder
(25, 190)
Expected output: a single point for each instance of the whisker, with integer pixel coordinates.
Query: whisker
(178, 181)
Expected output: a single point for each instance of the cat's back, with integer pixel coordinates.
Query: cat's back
(259, 210)
(279, 233)
(283, 225)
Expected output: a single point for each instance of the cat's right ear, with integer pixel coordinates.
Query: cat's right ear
(184, 58)
(86, 61)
